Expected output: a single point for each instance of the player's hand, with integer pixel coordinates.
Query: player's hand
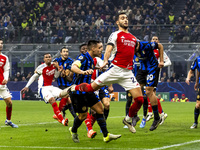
(62, 73)
(104, 65)
(187, 81)
(55, 63)
(196, 86)
(4, 82)
(24, 89)
(67, 72)
(88, 72)
(60, 68)
(161, 64)
(110, 89)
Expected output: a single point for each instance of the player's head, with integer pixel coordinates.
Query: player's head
(1, 44)
(64, 52)
(95, 47)
(83, 48)
(155, 39)
(122, 20)
(47, 58)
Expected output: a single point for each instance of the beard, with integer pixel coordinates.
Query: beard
(123, 26)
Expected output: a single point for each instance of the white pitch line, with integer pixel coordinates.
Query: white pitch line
(175, 145)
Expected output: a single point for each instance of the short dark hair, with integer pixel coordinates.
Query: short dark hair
(1, 39)
(46, 53)
(63, 48)
(120, 13)
(84, 44)
(92, 43)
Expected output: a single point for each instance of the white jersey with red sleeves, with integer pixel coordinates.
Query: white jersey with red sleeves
(123, 49)
(167, 61)
(46, 75)
(4, 66)
(97, 63)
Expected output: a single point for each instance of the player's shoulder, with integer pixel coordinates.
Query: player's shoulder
(70, 59)
(3, 56)
(41, 66)
(82, 57)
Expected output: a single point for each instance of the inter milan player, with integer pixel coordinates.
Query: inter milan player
(64, 80)
(148, 74)
(83, 69)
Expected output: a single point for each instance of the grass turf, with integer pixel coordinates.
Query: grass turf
(38, 130)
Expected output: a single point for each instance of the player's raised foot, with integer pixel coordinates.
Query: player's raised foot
(91, 134)
(56, 118)
(135, 120)
(66, 122)
(74, 136)
(193, 126)
(110, 137)
(130, 127)
(9, 123)
(149, 117)
(155, 124)
(163, 117)
(143, 123)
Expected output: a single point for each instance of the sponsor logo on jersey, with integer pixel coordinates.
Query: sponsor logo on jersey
(49, 73)
(2, 60)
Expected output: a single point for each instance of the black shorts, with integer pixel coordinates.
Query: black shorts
(148, 77)
(103, 92)
(81, 102)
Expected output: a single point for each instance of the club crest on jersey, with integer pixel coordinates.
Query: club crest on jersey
(80, 57)
(84, 108)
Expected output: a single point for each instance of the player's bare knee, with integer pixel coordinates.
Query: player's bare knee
(82, 116)
(8, 102)
(52, 100)
(198, 104)
(106, 104)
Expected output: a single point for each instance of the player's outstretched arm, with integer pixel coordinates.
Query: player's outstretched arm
(31, 80)
(187, 80)
(197, 81)
(76, 69)
(108, 51)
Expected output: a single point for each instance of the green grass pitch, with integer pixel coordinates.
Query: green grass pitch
(38, 130)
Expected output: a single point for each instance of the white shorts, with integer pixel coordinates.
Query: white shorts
(4, 92)
(47, 92)
(121, 76)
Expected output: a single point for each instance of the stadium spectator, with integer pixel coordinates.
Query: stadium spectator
(26, 37)
(160, 98)
(164, 75)
(175, 98)
(183, 98)
(18, 76)
(174, 76)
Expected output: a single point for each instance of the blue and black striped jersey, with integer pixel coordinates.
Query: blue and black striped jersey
(66, 65)
(196, 65)
(86, 64)
(146, 55)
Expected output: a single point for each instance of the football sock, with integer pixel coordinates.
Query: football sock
(145, 106)
(128, 104)
(196, 115)
(76, 125)
(155, 112)
(88, 122)
(106, 112)
(62, 103)
(149, 106)
(84, 87)
(8, 112)
(159, 106)
(57, 111)
(71, 109)
(93, 118)
(135, 107)
(102, 124)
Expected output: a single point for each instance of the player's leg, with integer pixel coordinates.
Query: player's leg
(135, 107)
(70, 107)
(153, 99)
(196, 113)
(98, 107)
(5, 94)
(8, 102)
(57, 112)
(77, 123)
(150, 111)
(105, 98)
